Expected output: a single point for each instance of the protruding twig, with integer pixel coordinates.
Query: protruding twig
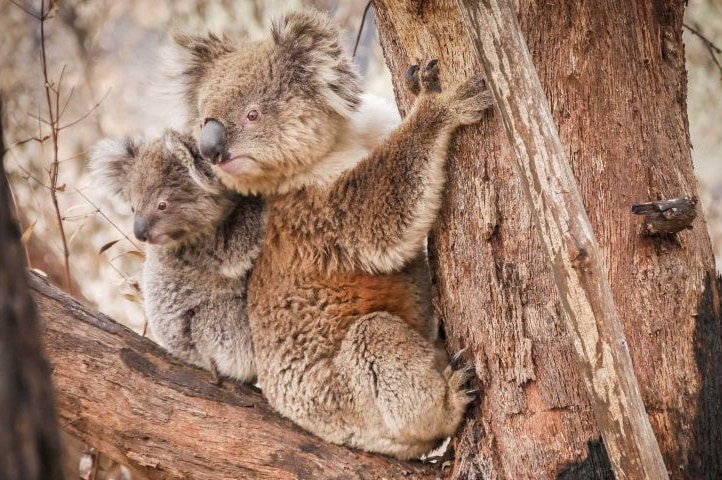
(712, 49)
(56, 108)
(361, 29)
(667, 217)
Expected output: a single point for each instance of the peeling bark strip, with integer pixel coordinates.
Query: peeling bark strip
(567, 236)
(122, 394)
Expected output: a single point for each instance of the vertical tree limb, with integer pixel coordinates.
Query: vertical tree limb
(568, 240)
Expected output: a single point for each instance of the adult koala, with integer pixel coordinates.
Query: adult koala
(346, 343)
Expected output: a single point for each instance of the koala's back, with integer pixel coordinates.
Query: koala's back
(196, 311)
(301, 314)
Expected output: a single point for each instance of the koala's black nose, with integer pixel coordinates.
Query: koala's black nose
(213, 141)
(141, 229)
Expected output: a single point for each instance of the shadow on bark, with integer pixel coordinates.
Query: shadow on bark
(704, 461)
(595, 467)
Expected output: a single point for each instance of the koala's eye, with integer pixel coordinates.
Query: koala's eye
(253, 115)
(162, 206)
(132, 209)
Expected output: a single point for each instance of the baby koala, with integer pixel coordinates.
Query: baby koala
(202, 242)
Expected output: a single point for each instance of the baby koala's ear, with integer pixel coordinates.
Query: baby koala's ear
(309, 43)
(111, 161)
(195, 55)
(183, 148)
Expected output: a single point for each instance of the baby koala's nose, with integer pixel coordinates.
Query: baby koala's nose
(212, 143)
(141, 229)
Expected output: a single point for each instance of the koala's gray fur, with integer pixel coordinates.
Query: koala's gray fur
(346, 343)
(201, 248)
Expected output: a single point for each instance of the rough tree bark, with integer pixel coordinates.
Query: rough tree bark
(29, 442)
(614, 77)
(120, 393)
(561, 221)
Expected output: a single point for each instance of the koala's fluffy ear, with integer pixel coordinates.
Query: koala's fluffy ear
(197, 54)
(309, 43)
(184, 150)
(111, 162)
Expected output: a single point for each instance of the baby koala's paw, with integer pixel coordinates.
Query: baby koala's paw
(470, 99)
(425, 80)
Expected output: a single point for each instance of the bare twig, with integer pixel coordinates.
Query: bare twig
(712, 49)
(36, 16)
(27, 140)
(86, 114)
(56, 108)
(54, 119)
(361, 29)
(102, 214)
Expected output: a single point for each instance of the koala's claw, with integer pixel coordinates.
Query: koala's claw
(215, 376)
(430, 77)
(424, 80)
(456, 359)
(412, 79)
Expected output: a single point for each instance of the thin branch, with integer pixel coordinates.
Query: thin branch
(86, 114)
(360, 29)
(97, 209)
(23, 142)
(56, 109)
(67, 101)
(29, 175)
(40, 119)
(29, 12)
(54, 166)
(712, 49)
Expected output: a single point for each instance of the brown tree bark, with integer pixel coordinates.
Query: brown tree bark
(614, 77)
(29, 442)
(122, 394)
(571, 248)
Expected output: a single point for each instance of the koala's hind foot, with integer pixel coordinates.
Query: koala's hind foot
(409, 405)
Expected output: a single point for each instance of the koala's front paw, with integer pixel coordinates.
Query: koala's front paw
(424, 80)
(470, 99)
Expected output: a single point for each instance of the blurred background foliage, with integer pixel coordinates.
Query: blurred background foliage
(105, 60)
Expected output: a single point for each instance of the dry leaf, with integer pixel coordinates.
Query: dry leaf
(133, 284)
(39, 272)
(28, 233)
(107, 246)
(135, 253)
(80, 206)
(131, 297)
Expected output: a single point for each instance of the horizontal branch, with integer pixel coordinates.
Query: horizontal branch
(122, 394)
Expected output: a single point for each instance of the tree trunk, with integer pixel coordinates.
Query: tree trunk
(29, 442)
(120, 393)
(614, 77)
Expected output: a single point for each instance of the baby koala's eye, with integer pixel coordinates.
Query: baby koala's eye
(132, 209)
(162, 206)
(253, 115)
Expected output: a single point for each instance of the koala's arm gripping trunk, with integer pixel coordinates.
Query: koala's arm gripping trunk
(387, 204)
